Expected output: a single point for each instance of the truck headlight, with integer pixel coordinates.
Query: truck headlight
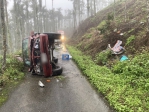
(62, 37)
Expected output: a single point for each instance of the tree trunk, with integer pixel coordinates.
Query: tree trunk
(74, 14)
(16, 9)
(35, 14)
(40, 16)
(91, 6)
(7, 29)
(88, 8)
(28, 29)
(4, 33)
(147, 3)
(79, 10)
(95, 7)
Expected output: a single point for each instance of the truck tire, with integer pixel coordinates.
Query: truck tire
(55, 59)
(57, 71)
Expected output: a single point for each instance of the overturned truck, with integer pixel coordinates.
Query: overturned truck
(43, 55)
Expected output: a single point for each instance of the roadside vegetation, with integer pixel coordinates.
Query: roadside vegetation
(125, 85)
(11, 76)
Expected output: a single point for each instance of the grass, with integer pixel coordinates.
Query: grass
(125, 92)
(88, 35)
(12, 75)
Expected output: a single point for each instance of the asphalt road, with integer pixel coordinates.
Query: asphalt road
(70, 92)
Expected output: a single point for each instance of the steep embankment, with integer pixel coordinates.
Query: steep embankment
(124, 84)
(96, 32)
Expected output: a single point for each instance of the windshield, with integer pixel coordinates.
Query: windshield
(25, 51)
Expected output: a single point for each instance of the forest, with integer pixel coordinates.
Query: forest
(92, 28)
(26, 16)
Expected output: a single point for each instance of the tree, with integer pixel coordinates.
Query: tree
(147, 3)
(4, 33)
(88, 8)
(94, 7)
(74, 13)
(59, 16)
(7, 28)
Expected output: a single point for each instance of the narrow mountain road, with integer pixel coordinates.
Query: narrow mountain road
(70, 92)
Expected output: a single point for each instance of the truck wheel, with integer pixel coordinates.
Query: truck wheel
(57, 71)
(33, 72)
(55, 59)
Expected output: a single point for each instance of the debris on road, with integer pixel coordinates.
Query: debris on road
(65, 56)
(70, 57)
(40, 84)
(48, 80)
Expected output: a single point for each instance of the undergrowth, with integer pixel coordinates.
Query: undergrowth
(10, 77)
(102, 57)
(125, 87)
(130, 39)
(138, 66)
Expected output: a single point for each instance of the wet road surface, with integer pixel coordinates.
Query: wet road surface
(70, 92)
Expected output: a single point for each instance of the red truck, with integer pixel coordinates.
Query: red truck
(42, 60)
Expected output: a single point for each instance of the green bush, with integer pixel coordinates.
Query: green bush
(102, 57)
(102, 26)
(130, 39)
(87, 46)
(110, 17)
(14, 70)
(11, 76)
(87, 35)
(139, 66)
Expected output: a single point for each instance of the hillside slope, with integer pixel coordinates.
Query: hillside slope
(125, 84)
(96, 32)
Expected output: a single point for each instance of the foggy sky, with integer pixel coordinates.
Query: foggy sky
(64, 4)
